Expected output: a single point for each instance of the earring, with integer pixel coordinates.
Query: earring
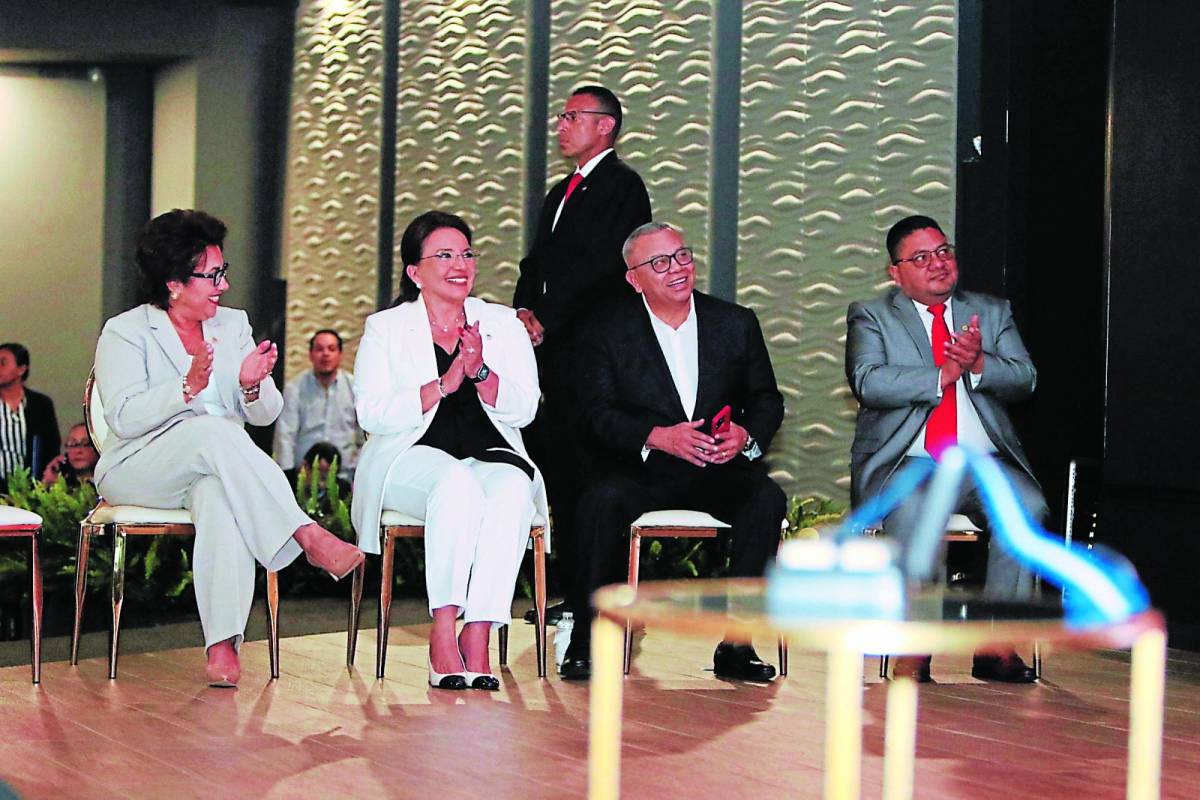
(174, 296)
(418, 286)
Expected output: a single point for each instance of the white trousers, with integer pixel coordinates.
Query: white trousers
(477, 518)
(242, 506)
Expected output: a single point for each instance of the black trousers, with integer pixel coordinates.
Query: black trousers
(739, 493)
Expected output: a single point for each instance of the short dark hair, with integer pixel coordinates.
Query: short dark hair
(169, 248)
(608, 104)
(413, 240)
(322, 451)
(20, 354)
(313, 341)
(900, 231)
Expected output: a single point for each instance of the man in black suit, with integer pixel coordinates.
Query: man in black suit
(574, 264)
(655, 370)
(28, 426)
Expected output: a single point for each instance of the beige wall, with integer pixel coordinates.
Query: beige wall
(51, 213)
(173, 174)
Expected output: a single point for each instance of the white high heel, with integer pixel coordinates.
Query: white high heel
(448, 680)
(482, 680)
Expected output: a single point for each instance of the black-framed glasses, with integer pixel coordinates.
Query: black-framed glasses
(215, 276)
(924, 259)
(572, 116)
(662, 263)
(446, 256)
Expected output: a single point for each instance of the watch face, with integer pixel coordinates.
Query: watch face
(482, 375)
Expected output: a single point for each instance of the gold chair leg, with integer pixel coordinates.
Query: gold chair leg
(273, 622)
(386, 570)
(783, 657)
(81, 568)
(118, 598)
(1037, 660)
(502, 643)
(356, 591)
(635, 557)
(539, 599)
(35, 569)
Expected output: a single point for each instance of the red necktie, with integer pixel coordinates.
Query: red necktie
(576, 179)
(941, 431)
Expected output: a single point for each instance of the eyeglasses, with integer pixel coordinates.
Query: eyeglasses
(445, 256)
(81, 443)
(662, 263)
(924, 258)
(572, 116)
(215, 276)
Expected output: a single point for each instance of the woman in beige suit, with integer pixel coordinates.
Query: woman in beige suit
(179, 376)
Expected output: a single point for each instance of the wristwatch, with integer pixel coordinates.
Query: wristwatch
(482, 375)
(751, 451)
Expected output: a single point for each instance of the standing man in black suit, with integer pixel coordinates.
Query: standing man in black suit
(655, 370)
(574, 264)
(28, 426)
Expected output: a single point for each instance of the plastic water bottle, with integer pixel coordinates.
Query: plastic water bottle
(562, 636)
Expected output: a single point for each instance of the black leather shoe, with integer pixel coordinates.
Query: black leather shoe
(740, 662)
(553, 614)
(1008, 669)
(915, 667)
(576, 669)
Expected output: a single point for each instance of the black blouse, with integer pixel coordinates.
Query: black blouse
(461, 427)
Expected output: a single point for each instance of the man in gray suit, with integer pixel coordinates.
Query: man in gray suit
(921, 388)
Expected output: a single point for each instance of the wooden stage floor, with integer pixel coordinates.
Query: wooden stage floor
(320, 731)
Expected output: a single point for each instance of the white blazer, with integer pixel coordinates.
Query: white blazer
(140, 364)
(395, 358)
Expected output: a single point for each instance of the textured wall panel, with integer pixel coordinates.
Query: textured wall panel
(461, 127)
(331, 230)
(656, 57)
(847, 125)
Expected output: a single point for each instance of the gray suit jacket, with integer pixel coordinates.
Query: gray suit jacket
(140, 364)
(889, 365)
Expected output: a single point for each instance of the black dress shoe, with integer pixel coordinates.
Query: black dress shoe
(740, 662)
(1008, 669)
(553, 614)
(915, 667)
(576, 669)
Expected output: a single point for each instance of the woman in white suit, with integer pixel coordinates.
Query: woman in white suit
(443, 382)
(179, 376)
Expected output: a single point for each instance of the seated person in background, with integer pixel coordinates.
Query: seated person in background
(921, 389)
(28, 427)
(657, 368)
(318, 406)
(77, 461)
(180, 376)
(444, 382)
(321, 457)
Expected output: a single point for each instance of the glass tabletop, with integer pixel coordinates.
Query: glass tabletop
(935, 619)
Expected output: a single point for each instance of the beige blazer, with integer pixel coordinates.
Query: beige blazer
(395, 358)
(140, 364)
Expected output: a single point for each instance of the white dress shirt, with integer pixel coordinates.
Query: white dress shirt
(970, 429)
(585, 170)
(680, 349)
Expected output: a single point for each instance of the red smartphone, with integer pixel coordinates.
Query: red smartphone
(720, 423)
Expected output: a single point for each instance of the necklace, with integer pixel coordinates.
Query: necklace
(444, 328)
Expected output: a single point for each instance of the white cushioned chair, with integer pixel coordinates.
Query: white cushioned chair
(14, 523)
(124, 521)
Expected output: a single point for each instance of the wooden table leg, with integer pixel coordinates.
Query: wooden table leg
(843, 725)
(1146, 685)
(900, 739)
(604, 736)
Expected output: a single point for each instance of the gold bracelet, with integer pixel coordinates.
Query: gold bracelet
(188, 394)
